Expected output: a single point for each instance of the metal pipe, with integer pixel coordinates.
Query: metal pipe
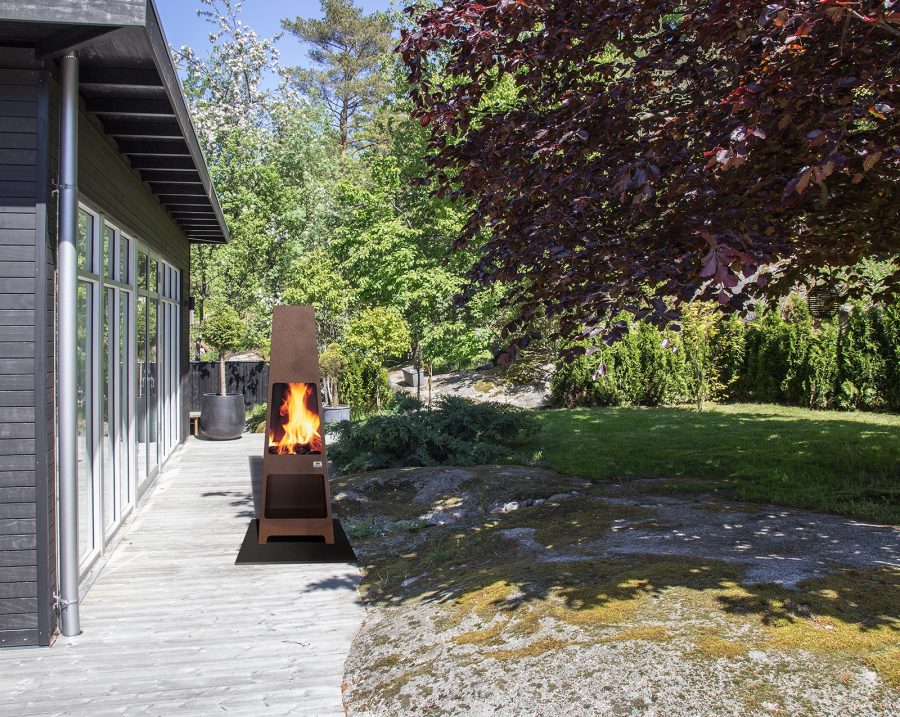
(67, 343)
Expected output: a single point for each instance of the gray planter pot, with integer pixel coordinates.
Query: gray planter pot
(222, 417)
(336, 414)
(411, 377)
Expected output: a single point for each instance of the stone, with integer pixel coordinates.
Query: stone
(350, 495)
(559, 497)
(505, 507)
(409, 581)
(445, 517)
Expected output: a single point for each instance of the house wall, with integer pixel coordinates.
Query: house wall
(26, 418)
(29, 103)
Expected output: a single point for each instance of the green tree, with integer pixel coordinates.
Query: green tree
(223, 331)
(271, 161)
(391, 240)
(348, 47)
(316, 280)
(333, 363)
(379, 333)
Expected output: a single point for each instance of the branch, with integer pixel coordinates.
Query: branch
(876, 23)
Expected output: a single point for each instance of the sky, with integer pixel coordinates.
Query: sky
(182, 26)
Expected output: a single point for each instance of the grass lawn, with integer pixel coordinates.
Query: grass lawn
(846, 463)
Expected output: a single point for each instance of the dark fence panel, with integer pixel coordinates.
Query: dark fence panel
(251, 378)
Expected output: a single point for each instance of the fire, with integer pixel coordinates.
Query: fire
(299, 423)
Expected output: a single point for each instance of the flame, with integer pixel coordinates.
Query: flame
(299, 423)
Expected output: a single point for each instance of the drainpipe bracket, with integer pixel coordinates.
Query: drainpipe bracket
(60, 603)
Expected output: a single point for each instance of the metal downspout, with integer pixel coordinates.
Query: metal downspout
(67, 284)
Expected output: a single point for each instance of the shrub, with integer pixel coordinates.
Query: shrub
(730, 345)
(860, 366)
(364, 385)
(765, 359)
(655, 376)
(887, 331)
(798, 335)
(645, 368)
(573, 383)
(457, 432)
(780, 356)
(256, 418)
(820, 368)
(700, 331)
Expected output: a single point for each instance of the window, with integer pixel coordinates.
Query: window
(128, 398)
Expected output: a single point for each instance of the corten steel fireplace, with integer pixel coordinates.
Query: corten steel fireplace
(295, 498)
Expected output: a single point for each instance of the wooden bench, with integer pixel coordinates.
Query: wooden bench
(195, 422)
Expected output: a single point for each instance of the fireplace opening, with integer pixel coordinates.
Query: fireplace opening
(294, 423)
(295, 496)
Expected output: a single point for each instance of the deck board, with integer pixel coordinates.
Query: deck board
(173, 626)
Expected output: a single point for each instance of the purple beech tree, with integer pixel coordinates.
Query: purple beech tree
(632, 156)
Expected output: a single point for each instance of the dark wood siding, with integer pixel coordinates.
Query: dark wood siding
(25, 607)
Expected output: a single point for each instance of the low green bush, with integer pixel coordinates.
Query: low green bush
(457, 432)
(256, 418)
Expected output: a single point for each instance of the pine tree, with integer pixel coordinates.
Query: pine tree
(348, 48)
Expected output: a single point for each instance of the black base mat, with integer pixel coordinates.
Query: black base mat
(295, 550)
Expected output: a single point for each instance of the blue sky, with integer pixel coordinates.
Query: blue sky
(182, 26)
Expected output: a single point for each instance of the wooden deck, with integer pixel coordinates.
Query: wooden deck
(173, 627)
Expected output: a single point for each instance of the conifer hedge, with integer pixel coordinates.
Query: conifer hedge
(782, 355)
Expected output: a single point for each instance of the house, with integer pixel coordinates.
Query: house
(103, 187)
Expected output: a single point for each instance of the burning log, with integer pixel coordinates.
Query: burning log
(296, 429)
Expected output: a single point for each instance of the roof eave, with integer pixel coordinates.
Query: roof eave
(165, 66)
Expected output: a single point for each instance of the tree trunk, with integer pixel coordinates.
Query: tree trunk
(344, 124)
(222, 385)
(417, 352)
